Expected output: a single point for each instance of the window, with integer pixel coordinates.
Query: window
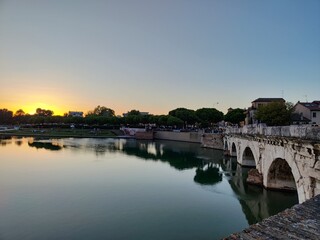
(314, 114)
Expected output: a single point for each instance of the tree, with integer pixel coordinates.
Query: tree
(188, 116)
(275, 114)
(5, 116)
(208, 116)
(235, 116)
(19, 113)
(19, 116)
(134, 113)
(163, 120)
(43, 112)
(174, 121)
(102, 111)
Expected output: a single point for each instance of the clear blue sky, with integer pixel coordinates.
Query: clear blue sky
(157, 55)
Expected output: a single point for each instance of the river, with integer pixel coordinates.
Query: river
(125, 189)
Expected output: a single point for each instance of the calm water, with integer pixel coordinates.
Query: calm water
(125, 189)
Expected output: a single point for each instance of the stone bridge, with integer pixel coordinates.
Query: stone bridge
(282, 162)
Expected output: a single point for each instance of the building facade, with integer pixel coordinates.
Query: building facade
(309, 111)
(75, 114)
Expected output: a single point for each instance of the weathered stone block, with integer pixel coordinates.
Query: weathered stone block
(254, 177)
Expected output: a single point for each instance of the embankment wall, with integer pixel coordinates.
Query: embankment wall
(194, 137)
(209, 140)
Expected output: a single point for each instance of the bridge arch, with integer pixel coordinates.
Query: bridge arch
(248, 158)
(280, 176)
(284, 175)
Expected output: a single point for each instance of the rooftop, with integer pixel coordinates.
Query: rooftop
(313, 106)
(269, 100)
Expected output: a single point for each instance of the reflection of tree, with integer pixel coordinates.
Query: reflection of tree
(180, 160)
(101, 149)
(208, 176)
(98, 146)
(4, 140)
(45, 145)
(177, 158)
(18, 142)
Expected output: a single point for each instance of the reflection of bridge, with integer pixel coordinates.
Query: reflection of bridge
(284, 163)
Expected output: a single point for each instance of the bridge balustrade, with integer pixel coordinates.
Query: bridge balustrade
(295, 131)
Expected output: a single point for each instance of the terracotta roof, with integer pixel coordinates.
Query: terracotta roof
(269, 100)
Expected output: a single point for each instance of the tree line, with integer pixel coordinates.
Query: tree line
(101, 115)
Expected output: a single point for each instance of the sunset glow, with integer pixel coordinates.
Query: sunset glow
(29, 103)
(154, 56)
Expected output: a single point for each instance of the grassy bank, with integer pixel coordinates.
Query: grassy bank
(59, 132)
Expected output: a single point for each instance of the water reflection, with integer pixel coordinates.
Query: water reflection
(4, 140)
(45, 145)
(178, 158)
(208, 175)
(19, 142)
(210, 167)
(257, 203)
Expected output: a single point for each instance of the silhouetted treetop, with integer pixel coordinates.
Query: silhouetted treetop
(19, 113)
(44, 112)
(102, 111)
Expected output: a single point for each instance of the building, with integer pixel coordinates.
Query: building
(250, 113)
(309, 112)
(75, 114)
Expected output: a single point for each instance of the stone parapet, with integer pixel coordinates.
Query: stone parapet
(294, 131)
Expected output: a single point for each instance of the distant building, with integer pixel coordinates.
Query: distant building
(75, 114)
(250, 113)
(307, 112)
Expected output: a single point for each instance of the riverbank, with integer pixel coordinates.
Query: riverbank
(60, 132)
(207, 140)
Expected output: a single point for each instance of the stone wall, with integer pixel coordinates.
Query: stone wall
(211, 140)
(194, 137)
(295, 131)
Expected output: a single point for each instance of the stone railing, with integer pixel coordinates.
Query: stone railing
(296, 131)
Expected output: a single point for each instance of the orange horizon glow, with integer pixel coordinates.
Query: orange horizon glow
(30, 108)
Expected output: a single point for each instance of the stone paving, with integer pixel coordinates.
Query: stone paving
(302, 221)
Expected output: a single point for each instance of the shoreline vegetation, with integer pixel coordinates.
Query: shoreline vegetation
(56, 132)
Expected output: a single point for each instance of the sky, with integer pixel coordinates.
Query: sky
(157, 55)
